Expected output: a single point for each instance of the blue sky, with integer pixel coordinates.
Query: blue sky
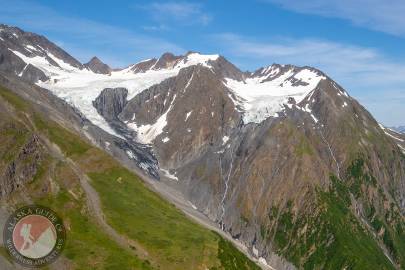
(359, 43)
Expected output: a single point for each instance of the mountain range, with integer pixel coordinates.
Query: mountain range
(281, 160)
(400, 129)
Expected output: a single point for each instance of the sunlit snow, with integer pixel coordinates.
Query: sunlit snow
(169, 175)
(79, 87)
(147, 133)
(260, 99)
(390, 135)
(188, 115)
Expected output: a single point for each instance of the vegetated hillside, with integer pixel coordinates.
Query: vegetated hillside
(320, 183)
(282, 158)
(42, 162)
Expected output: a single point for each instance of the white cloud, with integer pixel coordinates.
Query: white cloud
(381, 15)
(160, 27)
(370, 76)
(179, 12)
(84, 37)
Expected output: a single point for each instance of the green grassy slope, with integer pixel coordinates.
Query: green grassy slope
(170, 239)
(330, 236)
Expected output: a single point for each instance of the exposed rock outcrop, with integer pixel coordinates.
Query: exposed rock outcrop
(97, 66)
(20, 167)
(111, 102)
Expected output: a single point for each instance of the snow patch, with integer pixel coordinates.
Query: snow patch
(107, 145)
(189, 82)
(264, 262)
(188, 115)
(130, 154)
(62, 64)
(165, 139)
(192, 205)
(144, 166)
(255, 251)
(314, 118)
(31, 48)
(197, 59)
(22, 71)
(225, 139)
(40, 62)
(169, 175)
(390, 135)
(147, 133)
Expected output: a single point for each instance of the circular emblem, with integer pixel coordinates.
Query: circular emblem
(34, 236)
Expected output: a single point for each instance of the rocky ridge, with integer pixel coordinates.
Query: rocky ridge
(97, 66)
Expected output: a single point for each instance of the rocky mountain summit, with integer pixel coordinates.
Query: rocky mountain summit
(97, 66)
(281, 158)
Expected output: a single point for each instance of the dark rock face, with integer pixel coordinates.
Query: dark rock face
(21, 151)
(24, 163)
(97, 66)
(32, 74)
(111, 102)
(9, 62)
(236, 174)
(199, 112)
(12, 64)
(143, 66)
(149, 104)
(167, 60)
(225, 69)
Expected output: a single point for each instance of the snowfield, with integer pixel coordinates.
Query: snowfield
(79, 87)
(259, 98)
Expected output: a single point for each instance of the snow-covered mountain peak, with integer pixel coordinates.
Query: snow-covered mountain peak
(28, 48)
(258, 95)
(171, 61)
(197, 59)
(81, 86)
